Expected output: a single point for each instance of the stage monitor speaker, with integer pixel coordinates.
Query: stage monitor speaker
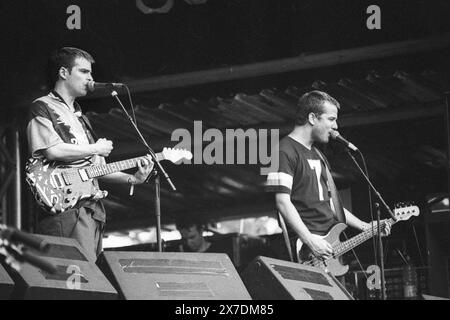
(173, 276)
(273, 279)
(428, 297)
(6, 284)
(76, 277)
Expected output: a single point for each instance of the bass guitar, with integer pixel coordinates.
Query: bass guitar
(333, 265)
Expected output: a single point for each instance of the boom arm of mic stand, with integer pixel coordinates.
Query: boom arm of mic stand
(160, 169)
(372, 187)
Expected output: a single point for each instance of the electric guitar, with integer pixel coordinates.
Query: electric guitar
(332, 265)
(58, 188)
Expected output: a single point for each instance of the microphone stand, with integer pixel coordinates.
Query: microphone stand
(377, 205)
(447, 129)
(159, 170)
(380, 253)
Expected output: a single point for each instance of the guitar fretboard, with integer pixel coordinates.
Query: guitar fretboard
(102, 170)
(351, 243)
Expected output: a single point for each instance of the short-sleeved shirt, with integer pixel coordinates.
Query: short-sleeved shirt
(302, 175)
(51, 122)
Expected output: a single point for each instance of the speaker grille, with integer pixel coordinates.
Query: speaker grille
(173, 266)
(187, 290)
(62, 251)
(62, 274)
(318, 295)
(297, 274)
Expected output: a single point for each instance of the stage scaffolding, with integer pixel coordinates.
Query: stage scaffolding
(10, 177)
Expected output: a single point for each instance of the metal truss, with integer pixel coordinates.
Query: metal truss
(7, 173)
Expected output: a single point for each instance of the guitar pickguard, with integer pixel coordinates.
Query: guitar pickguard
(51, 189)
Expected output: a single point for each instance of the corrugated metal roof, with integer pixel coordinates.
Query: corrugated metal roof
(377, 98)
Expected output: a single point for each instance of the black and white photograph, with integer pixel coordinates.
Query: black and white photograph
(221, 156)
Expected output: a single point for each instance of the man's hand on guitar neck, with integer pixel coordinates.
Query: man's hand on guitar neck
(145, 166)
(385, 231)
(320, 247)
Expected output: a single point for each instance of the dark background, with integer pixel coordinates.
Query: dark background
(128, 44)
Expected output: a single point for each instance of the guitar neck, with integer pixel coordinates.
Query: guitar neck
(102, 170)
(351, 243)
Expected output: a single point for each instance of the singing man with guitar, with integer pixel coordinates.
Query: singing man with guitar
(301, 185)
(60, 134)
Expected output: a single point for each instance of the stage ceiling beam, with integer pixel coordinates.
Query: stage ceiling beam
(302, 62)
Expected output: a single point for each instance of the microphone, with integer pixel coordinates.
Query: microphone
(91, 85)
(336, 136)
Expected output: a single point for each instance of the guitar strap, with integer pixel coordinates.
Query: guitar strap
(85, 121)
(81, 117)
(337, 203)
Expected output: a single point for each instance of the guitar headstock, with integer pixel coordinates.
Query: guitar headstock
(405, 211)
(175, 154)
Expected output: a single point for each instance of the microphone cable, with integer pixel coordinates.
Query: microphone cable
(131, 104)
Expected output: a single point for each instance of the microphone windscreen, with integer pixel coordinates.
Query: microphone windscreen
(334, 134)
(90, 85)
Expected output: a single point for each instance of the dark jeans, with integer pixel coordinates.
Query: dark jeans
(77, 224)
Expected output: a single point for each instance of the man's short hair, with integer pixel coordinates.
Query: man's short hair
(187, 223)
(64, 57)
(312, 102)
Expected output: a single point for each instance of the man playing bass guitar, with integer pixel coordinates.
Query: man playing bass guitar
(301, 186)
